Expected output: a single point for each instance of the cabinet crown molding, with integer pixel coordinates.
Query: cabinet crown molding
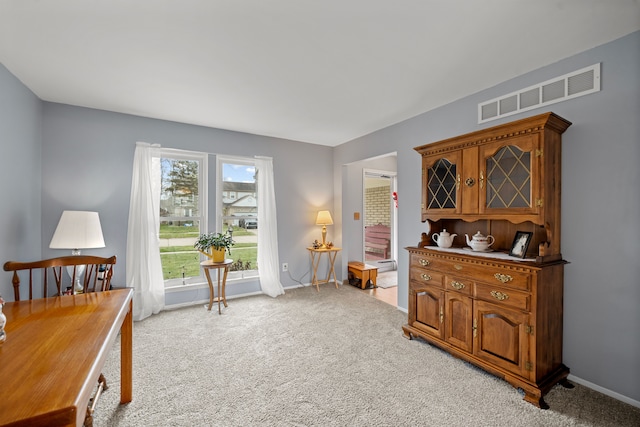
(508, 130)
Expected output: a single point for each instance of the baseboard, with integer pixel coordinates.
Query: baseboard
(230, 297)
(604, 391)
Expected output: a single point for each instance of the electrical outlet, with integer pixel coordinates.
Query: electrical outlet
(285, 266)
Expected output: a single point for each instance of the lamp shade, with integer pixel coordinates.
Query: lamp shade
(324, 218)
(78, 230)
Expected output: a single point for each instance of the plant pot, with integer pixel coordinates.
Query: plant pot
(216, 255)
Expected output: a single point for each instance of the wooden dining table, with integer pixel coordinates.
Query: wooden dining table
(54, 354)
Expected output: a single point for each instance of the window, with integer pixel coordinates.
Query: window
(238, 213)
(182, 215)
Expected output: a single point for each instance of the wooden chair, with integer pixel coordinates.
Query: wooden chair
(96, 277)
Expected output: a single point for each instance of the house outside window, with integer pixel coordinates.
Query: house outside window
(238, 213)
(182, 215)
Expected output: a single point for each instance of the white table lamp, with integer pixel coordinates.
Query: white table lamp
(78, 230)
(324, 219)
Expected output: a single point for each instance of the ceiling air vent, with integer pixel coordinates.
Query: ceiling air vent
(572, 85)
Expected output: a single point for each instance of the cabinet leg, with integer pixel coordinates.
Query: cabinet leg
(535, 400)
(406, 334)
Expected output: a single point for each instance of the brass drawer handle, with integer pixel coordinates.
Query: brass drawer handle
(457, 267)
(424, 262)
(457, 285)
(499, 295)
(504, 278)
(425, 277)
(441, 315)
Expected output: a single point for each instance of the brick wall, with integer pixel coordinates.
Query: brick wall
(378, 206)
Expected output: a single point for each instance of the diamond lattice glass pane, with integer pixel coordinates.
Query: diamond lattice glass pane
(509, 178)
(441, 184)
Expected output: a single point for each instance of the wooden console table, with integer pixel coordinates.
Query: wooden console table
(316, 255)
(55, 351)
(222, 281)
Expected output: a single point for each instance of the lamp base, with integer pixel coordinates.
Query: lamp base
(324, 237)
(77, 286)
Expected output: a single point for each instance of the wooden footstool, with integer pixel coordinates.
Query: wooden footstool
(364, 272)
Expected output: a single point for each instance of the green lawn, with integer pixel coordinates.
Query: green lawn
(176, 231)
(180, 231)
(177, 260)
(175, 263)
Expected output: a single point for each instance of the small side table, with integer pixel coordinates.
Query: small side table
(316, 255)
(222, 280)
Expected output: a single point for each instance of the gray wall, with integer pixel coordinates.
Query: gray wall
(20, 147)
(600, 205)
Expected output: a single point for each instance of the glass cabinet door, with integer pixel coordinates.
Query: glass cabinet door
(442, 181)
(509, 175)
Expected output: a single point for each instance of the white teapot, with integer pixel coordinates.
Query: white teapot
(444, 239)
(479, 242)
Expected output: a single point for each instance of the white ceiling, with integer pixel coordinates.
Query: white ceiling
(324, 71)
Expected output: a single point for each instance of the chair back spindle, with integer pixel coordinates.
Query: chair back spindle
(95, 273)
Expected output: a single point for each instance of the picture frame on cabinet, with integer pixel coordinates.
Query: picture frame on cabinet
(520, 244)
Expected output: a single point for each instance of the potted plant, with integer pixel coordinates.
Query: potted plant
(214, 245)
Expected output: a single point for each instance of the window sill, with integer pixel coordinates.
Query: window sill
(205, 285)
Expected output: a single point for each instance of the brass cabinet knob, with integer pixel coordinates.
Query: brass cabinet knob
(500, 296)
(457, 285)
(504, 278)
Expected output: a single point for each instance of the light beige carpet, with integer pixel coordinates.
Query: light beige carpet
(331, 358)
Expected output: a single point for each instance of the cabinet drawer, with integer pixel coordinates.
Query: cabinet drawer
(503, 296)
(424, 261)
(495, 275)
(425, 277)
(458, 284)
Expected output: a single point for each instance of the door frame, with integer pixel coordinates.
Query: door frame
(392, 262)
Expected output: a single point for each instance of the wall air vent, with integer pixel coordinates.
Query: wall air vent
(572, 85)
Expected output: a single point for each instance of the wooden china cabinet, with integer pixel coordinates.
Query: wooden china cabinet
(501, 313)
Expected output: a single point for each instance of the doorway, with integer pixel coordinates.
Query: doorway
(380, 213)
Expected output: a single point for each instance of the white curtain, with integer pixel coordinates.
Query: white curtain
(144, 268)
(268, 260)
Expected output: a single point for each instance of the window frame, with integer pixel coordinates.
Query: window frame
(203, 173)
(241, 275)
